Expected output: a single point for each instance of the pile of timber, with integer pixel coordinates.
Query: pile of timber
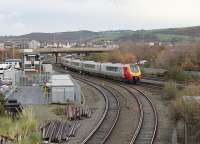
(6, 140)
(74, 112)
(13, 108)
(58, 131)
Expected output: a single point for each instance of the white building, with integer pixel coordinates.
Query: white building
(34, 44)
(31, 61)
(47, 68)
(63, 89)
(13, 75)
(16, 63)
(1, 45)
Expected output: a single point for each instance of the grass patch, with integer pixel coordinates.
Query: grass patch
(2, 109)
(192, 90)
(177, 74)
(187, 110)
(22, 129)
(170, 90)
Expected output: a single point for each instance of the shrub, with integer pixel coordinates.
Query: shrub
(188, 110)
(191, 90)
(142, 70)
(170, 90)
(176, 73)
(2, 104)
(22, 129)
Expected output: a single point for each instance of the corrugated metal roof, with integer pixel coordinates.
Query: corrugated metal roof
(60, 77)
(61, 80)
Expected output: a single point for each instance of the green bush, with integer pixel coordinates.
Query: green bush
(176, 73)
(2, 104)
(23, 130)
(188, 110)
(142, 70)
(170, 90)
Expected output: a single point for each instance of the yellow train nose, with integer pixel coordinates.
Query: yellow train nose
(138, 74)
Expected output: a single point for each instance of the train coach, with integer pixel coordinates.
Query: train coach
(91, 67)
(127, 72)
(111, 70)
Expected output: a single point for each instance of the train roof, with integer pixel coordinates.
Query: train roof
(90, 62)
(113, 64)
(75, 60)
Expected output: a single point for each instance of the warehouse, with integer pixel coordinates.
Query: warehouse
(63, 88)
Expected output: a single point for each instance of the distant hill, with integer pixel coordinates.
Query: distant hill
(70, 36)
(171, 34)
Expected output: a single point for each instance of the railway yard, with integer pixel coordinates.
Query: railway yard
(115, 113)
(131, 113)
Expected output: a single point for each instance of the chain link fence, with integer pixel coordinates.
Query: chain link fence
(34, 79)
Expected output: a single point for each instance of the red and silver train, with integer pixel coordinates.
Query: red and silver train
(127, 72)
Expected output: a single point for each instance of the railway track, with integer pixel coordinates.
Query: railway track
(146, 130)
(105, 126)
(147, 126)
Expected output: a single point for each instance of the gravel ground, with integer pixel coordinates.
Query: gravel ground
(165, 124)
(96, 101)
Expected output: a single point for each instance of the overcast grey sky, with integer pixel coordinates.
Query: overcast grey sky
(25, 16)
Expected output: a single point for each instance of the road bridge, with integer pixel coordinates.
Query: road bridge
(73, 50)
(78, 50)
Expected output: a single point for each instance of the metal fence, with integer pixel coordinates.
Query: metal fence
(34, 79)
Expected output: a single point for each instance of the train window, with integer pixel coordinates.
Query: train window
(109, 68)
(91, 66)
(134, 68)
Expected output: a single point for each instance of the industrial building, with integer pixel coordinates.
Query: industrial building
(14, 62)
(12, 74)
(63, 88)
(31, 61)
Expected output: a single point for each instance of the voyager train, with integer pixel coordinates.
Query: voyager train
(127, 72)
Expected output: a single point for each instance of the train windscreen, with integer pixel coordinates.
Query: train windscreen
(134, 68)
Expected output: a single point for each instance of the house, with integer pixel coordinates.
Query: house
(8, 44)
(34, 44)
(1, 44)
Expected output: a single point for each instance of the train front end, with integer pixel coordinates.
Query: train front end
(132, 72)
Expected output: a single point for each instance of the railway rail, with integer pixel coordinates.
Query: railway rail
(147, 121)
(109, 119)
(148, 129)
